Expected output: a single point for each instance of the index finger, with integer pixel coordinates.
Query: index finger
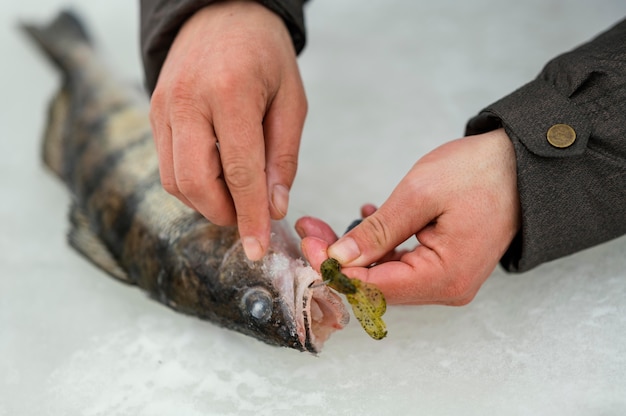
(417, 279)
(197, 168)
(242, 154)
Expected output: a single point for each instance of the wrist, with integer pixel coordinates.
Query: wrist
(238, 11)
(507, 166)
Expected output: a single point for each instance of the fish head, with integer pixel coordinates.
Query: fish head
(280, 299)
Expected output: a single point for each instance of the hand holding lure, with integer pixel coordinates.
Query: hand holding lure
(368, 302)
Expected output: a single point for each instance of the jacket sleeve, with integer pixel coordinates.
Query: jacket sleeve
(162, 19)
(572, 197)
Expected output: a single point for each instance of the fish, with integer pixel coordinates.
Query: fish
(98, 142)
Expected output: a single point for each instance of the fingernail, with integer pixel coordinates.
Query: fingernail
(280, 199)
(252, 248)
(345, 250)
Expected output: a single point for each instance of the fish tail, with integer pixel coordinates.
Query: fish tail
(56, 38)
(59, 40)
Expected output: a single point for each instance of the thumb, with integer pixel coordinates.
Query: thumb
(404, 214)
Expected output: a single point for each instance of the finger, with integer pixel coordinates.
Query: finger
(407, 210)
(394, 255)
(283, 126)
(314, 227)
(367, 210)
(162, 136)
(420, 278)
(314, 250)
(197, 169)
(166, 167)
(403, 282)
(242, 152)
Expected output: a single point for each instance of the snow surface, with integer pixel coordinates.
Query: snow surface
(387, 81)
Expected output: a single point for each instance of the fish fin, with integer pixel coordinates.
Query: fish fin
(86, 242)
(52, 39)
(52, 146)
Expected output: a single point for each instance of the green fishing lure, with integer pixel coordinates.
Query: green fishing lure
(368, 302)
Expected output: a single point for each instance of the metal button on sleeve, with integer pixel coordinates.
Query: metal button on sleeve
(561, 135)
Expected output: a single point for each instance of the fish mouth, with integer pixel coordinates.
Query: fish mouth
(319, 311)
(312, 310)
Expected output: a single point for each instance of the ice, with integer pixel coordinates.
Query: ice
(387, 81)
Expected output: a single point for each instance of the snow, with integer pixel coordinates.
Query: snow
(387, 81)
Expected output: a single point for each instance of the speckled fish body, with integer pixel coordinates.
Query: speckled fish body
(99, 142)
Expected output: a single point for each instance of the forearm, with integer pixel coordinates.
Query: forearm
(162, 19)
(572, 197)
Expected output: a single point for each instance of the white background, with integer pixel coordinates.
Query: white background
(387, 81)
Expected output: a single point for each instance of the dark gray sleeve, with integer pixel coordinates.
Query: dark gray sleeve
(162, 19)
(574, 197)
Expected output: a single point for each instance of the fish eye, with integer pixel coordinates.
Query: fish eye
(257, 303)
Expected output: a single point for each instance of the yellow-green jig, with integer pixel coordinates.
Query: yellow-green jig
(367, 301)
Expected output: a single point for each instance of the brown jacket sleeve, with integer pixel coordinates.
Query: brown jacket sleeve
(161, 20)
(573, 197)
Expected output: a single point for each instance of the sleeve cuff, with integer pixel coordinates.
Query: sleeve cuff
(528, 113)
(162, 19)
(559, 207)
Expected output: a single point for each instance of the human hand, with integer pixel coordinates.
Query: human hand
(227, 114)
(461, 203)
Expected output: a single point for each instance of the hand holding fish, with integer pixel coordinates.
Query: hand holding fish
(227, 115)
(461, 203)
